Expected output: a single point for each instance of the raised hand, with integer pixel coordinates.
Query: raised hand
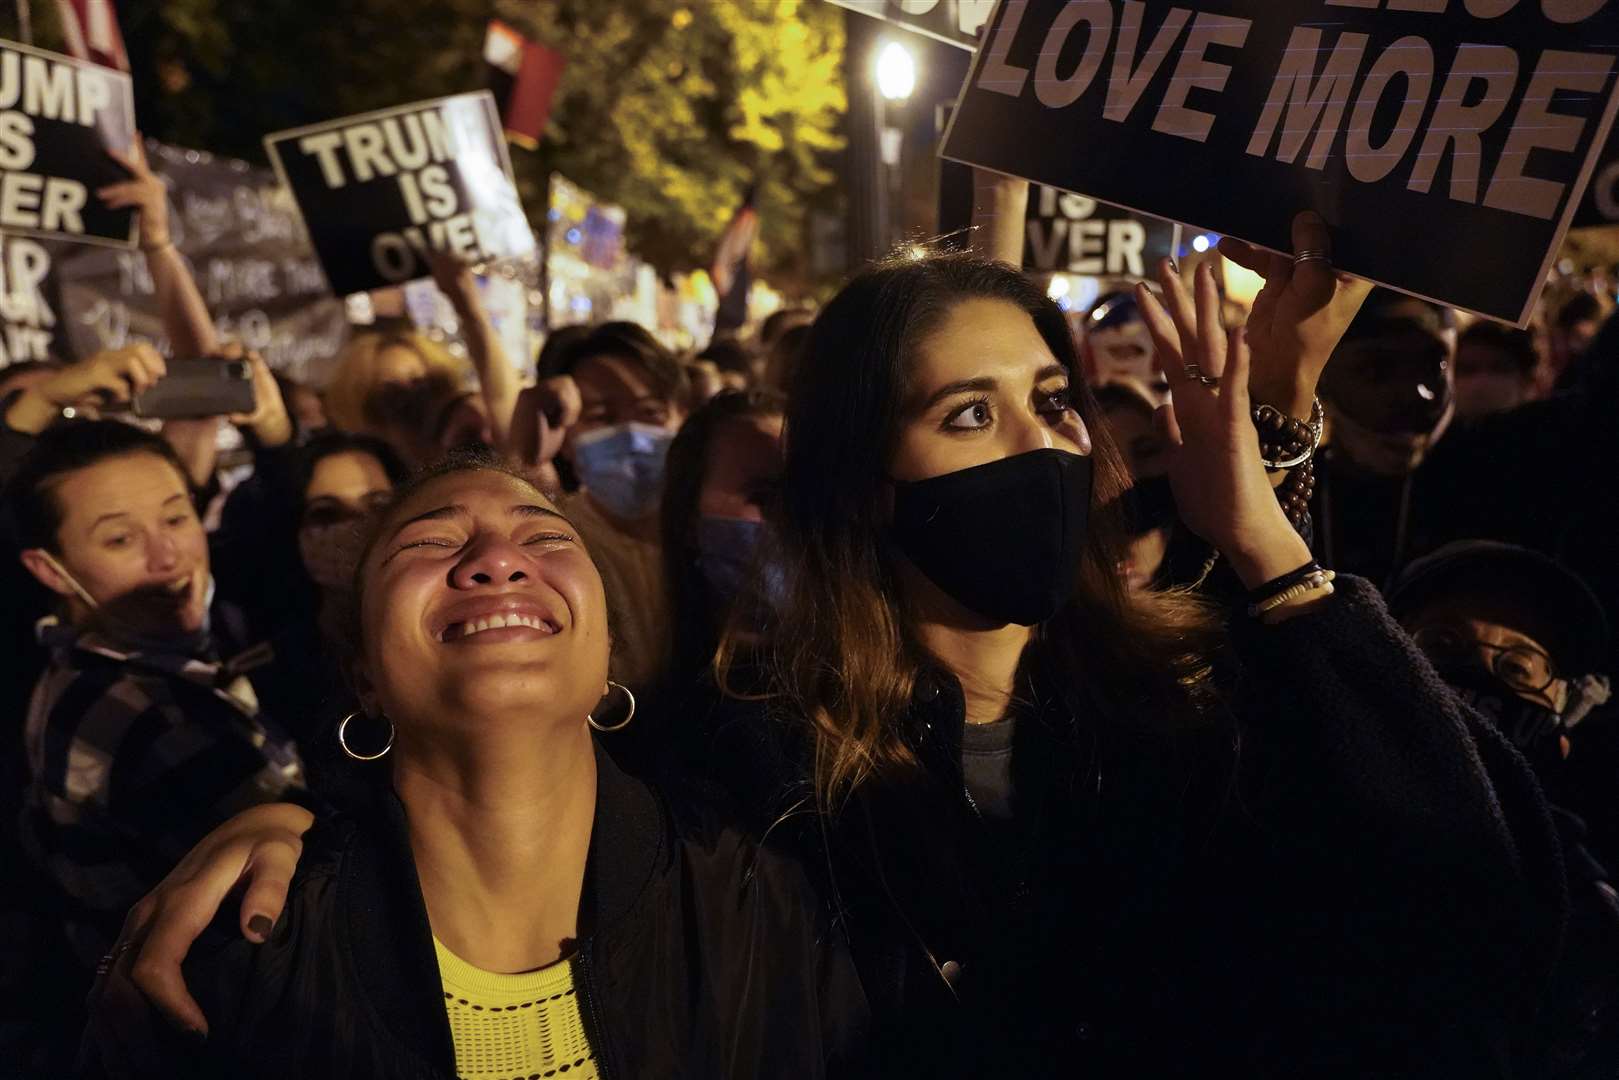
(108, 378)
(269, 421)
(145, 191)
(1221, 488)
(1299, 316)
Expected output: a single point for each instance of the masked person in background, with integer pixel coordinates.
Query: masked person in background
(1495, 370)
(1117, 346)
(337, 481)
(720, 568)
(606, 419)
(1389, 395)
(1149, 506)
(1521, 639)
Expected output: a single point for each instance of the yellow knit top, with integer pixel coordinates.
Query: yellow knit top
(514, 1027)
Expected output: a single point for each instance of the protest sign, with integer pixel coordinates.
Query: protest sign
(58, 117)
(379, 191)
(955, 22)
(1601, 206)
(240, 234)
(1074, 234)
(1447, 142)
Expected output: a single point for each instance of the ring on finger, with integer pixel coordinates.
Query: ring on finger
(1195, 373)
(106, 963)
(1320, 255)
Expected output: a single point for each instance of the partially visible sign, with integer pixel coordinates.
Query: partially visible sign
(58, 118)
(240, 233)
(381, 190)
(1075, 234)
(1601, 205)
(956, 22)
(1437, 137)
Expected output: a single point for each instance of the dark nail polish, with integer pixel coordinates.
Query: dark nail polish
(1174, 266)
(197, 1035)
(261, 926)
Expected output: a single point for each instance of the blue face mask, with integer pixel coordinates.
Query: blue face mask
(622, 467)
(728, 556)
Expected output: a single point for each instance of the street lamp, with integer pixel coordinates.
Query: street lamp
(896, 71)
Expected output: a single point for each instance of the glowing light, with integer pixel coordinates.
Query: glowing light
(1059, 287)
(1201, 243)
(896, 72)
(574, 236)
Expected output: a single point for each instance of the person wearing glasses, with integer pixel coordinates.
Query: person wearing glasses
(1523, 640)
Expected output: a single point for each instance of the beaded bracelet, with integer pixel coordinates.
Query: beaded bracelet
(1286, 442)
(1260, 593)
(1316, 579)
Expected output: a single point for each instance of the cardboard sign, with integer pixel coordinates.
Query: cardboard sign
(1447, 142)
(241, 236)
(955, 22)
(58, 117)
(379, 191)
(1078, 235)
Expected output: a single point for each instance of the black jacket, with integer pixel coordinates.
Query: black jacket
(1355, 875)
(702, 954)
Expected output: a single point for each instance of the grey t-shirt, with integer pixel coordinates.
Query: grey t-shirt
(986, 766)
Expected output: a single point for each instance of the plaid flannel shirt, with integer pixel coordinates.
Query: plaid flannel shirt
(134, 755)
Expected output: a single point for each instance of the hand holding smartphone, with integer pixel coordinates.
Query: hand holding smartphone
(197, 389)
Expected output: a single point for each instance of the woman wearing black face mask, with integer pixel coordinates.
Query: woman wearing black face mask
(1032, 813)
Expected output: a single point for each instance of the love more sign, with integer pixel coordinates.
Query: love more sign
(1448, 142)
(379, 191)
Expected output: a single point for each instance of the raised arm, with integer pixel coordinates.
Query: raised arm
(497, 379)
(999, 205)
(185, 316)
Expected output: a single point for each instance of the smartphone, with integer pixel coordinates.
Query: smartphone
(195, 389)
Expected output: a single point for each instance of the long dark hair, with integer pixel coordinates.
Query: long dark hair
(851, 658)
(696, 624)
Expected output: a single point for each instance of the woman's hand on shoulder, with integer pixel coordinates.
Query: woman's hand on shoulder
(258, 848)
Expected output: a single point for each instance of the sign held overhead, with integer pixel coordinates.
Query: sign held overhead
(58, 119)
(955, 22)
(381, 190)
(1437, 137)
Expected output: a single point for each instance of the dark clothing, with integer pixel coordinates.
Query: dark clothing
(1362, 521)
(986, 766)
(703, 954)
(1371, 887)
(134, 755)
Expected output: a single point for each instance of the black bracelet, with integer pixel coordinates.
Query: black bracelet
(1277, 587)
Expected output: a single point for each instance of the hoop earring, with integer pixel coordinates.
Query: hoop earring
(622, 724)
(342, 740)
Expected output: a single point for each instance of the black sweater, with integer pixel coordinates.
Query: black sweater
(1355, 876)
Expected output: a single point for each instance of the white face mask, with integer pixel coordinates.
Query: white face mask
(72, 582)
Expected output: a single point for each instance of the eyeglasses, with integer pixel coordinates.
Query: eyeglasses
(1519, 666)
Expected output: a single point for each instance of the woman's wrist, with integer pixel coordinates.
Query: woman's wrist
(1279, 551)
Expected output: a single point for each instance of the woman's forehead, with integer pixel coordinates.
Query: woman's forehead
(470, 486)
(982, 337)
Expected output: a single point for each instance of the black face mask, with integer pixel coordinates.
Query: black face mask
(1003, 539)
(1533, 728)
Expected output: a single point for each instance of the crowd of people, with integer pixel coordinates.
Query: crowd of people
(931, 684)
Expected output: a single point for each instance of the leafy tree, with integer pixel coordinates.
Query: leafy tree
(670, 108)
